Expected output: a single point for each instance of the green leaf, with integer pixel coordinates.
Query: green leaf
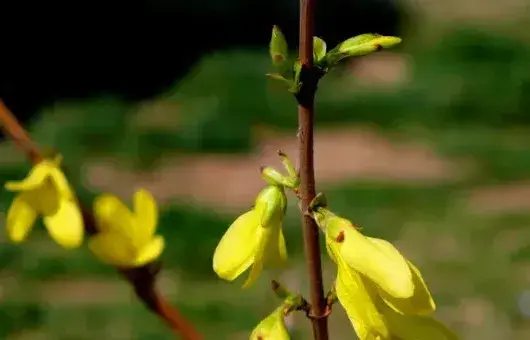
(319, 49)
(278, 47)
(281, 78)
(360, 45)
(297, 69)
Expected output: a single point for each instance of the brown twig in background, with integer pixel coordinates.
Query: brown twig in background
(306, 98)
(142, 279)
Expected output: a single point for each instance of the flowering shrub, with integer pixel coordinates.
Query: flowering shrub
(383, 293)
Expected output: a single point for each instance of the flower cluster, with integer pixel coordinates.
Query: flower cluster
(383, 293)
(124, 239)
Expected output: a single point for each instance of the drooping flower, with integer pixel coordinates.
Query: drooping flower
(380, 290)
(272, 327)
(45, 192)
(414, 327)
(126, 238)
(254, 238)
(376, 259)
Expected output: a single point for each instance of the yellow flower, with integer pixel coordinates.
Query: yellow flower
(415, 327)
(45, 191)
(254, 238)
(376, 259)
(272, 327)
(126, 238)
(380, 290)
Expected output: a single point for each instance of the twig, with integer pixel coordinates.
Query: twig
(306, 112)
(142, 279)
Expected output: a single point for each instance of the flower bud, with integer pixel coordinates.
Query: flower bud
(272, 327)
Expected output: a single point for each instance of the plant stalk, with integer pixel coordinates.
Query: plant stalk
(306, 113)
(142, 279)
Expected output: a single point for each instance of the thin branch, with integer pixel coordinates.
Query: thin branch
(306, 113)
(142, 279)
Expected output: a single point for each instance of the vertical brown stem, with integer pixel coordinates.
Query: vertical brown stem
(306, 113)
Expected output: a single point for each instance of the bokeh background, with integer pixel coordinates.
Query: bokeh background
(426, 145)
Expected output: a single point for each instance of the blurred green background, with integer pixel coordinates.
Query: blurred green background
(426, 145)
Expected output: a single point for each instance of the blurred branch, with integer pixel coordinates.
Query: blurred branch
(306, 114)
(142, 279)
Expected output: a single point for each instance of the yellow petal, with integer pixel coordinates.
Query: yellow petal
(61, 184)
(272, 327)
(276, 252)
(150, 252)
(358, 303)
(379, 261)
(66, 226)
(112, 248)
(20, 218)
(416, 327)
(235, 252)
(45, 199)
(146, 213)
(112, 215)
(265, 244)
(36, 177)
(421, 303)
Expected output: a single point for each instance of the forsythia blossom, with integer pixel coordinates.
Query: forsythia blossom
(272, 327)
(383, 294)
(45, 191)
(254, 238)
(126, 238)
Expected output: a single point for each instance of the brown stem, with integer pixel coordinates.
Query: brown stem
(306, 113)
(141, 279)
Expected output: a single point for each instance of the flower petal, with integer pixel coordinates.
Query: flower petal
(45, 199)
(146, 213)
(235, 252)
(272, 327)
(260, 256)
(276, 252)
(359, 306)
(112, 215)
(421, 303)
(60, 183)
(416, 327)
(66, 226)
(36, 177)
(150, 252)
(112, 248)
(20, 218)
(379, 261)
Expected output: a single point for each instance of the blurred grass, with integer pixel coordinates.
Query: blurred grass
(467, 98)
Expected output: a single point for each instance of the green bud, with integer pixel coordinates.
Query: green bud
(280, 290)
(360, 45)
(278, 47)
(297, 69)
(281, 78)
(355, 41)
(319, 49)
(331, 297)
